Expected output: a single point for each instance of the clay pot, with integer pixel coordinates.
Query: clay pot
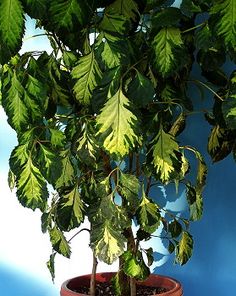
(172, 285)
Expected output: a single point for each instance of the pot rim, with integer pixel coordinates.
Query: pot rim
(176, 285)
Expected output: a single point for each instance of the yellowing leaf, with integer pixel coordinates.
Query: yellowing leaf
(108, 243)
(165, 156)
(195, 201)
(184, 248)
(117, 125)
(219, 143)
(31, 187)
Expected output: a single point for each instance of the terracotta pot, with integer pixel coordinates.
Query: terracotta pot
(172, 285)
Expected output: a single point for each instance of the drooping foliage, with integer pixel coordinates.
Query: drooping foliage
(100, 117)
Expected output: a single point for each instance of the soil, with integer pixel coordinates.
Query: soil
(105, 289)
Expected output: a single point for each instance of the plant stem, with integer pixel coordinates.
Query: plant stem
(131, 245)
(207, 87)
(93, 276)
(195, 27)
(133, 287)
(149, 182)
(138, 171)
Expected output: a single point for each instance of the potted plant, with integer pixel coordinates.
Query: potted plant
(100, 120)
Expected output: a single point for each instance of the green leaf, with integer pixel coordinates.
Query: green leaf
(148, 214)
(11, 28)
(31, 186)
(129, 188)
(108, 209)
(167, 17)
(59, 242)
(107, 88)
(19, 157)
(226, 20)
(229, 111)
(141, 90)
(171, 247)
(117, 126)
(87, 75)
(184, 248)
(114, 51)
(128, 8)
(188, 7)
(35, 8)
(201, 171)
(119, 16)
(114, 23)
(13, 103)
(68, 173)
(50, 164)
(67, 13)
(165, 44)
(57, 138)
(46, 221)
(131, 266)
(150, 257)
(220, 143)
(134, 266)
(203, 38)
(70, 209)
(51, 265)
(11, 180)
(229, 104)
(179, 125)
(152, 4)
(195, 202)
(35, 97)
(116, 284)
(175, 228)
(107, 242)
(87, 149)
(166, 156)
